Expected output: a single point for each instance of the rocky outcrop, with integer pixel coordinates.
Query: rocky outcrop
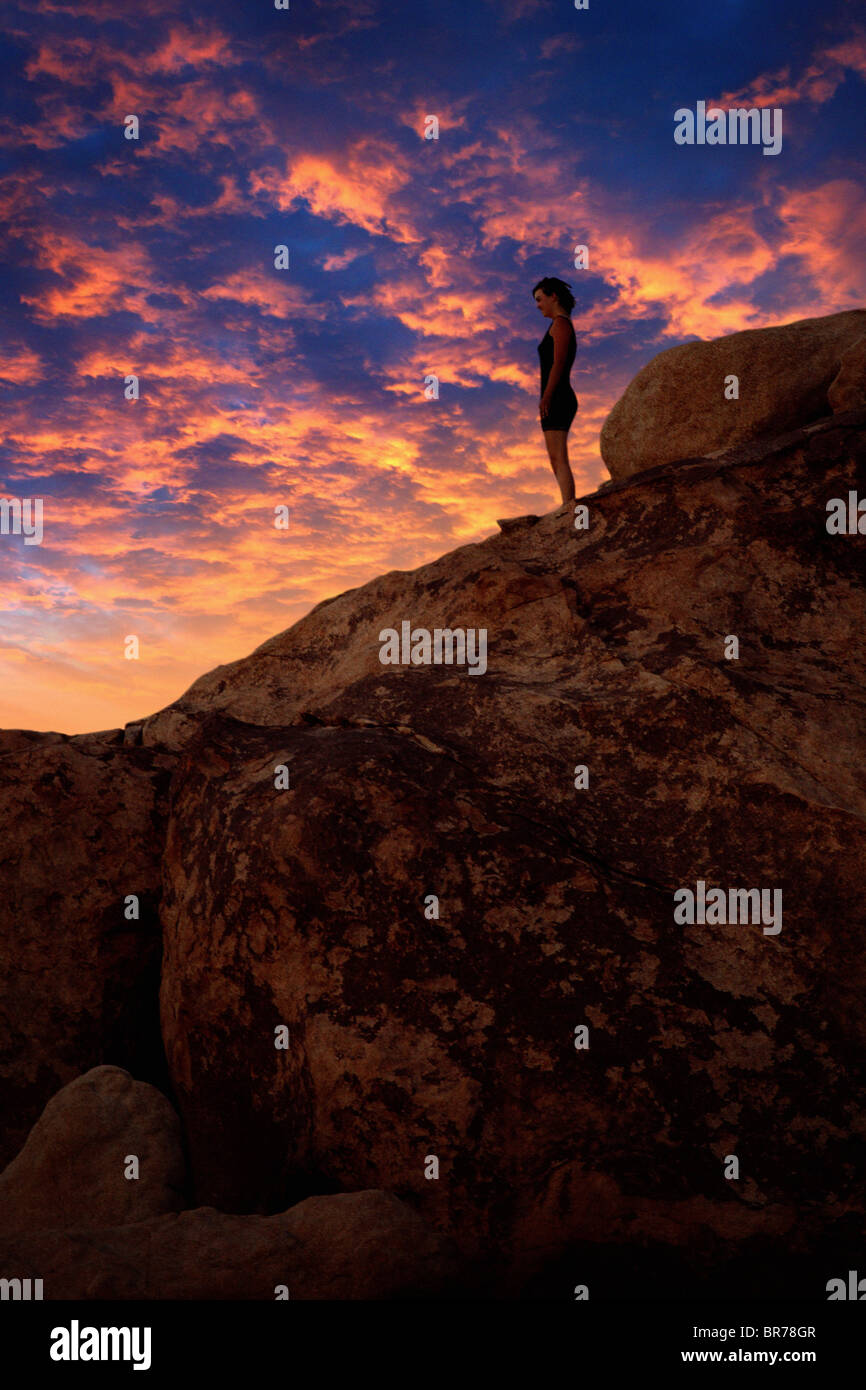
(353, 1245)
(847, 390)
(82, 836)
(75, 1170)
(349, 1246)
(76, 1215)
(456, 895)
(679, 405)
(453, 1035)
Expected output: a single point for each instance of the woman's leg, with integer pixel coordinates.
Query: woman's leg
(557, 448)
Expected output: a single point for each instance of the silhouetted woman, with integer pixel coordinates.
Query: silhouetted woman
(558, 404)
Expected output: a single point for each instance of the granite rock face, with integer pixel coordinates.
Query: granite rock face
(469, 947)
(788, 376)
(847, 390)
(413, 1035)
(79, 972)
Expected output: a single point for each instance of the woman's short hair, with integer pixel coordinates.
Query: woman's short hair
(551, 285)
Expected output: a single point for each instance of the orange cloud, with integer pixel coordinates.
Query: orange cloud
(94, 279)
(20, 366)
(817, 83)
(357, 188)
(178, 544)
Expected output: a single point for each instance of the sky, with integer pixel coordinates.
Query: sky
(302, 386)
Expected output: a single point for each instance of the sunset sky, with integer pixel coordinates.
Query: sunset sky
(407, 256)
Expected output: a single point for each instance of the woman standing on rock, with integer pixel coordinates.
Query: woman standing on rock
(558, 404)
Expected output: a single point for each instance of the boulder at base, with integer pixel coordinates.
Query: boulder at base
(75, 1169)
(349, 1245)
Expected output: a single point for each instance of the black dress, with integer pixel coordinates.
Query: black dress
(563, 403)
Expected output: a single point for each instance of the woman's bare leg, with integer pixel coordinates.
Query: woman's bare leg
(557, 448)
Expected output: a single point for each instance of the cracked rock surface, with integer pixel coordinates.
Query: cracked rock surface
(414, 1035)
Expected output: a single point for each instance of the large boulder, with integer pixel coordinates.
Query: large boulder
(74, 1169)
(789, 375)
(82, 825)
(461, 908)
(422, 1031)
(351, 1245)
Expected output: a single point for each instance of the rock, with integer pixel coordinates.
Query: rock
(413, 1036)
(101, 736)
(847, 391)
(20, 740)
(353, 1245)
(513, 523)
(436, 908)
(82, 829)
(789, 375)
(70, 1172)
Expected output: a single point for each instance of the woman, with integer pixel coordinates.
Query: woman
(558, 404)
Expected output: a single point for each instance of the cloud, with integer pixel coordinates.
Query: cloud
(20, 365)
(305, 388)
(816, 84)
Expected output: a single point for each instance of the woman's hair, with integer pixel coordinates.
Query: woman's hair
(551, 285)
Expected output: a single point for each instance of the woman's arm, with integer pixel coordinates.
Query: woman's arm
(561, 336)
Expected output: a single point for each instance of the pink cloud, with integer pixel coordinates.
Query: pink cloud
(817, 83)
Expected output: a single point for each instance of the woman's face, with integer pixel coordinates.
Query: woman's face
(547, 303)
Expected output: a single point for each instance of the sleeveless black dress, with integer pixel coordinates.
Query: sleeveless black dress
(563, 404)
